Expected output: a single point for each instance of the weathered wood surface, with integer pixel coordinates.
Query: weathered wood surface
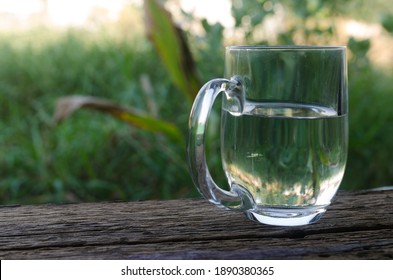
(356, 226)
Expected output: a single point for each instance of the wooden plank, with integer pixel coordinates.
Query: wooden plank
(357, 226)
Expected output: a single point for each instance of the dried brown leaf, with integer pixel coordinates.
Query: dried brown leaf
(66, 106)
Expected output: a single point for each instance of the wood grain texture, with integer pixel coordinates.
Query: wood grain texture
(356, 226)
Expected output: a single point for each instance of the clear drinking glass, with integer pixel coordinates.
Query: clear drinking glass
(284, 132)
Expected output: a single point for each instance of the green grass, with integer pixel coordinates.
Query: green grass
(93, 157)
(370, 161)
(89, 156)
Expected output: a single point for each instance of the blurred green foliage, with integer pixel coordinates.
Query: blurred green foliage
(92, 157)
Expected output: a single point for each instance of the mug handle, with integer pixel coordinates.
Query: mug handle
(237, 197)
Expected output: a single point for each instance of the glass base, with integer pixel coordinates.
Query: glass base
(286, 216)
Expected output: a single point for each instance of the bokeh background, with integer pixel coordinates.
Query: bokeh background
(150, 60)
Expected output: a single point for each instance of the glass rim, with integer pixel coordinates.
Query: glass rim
(284, 47)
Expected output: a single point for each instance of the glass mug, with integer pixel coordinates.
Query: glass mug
(284, 132)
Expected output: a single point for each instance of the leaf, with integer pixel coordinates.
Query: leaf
(67, 105)
(172, 48)
(387, 22)
(359, 47)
